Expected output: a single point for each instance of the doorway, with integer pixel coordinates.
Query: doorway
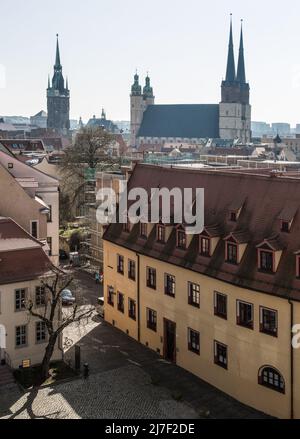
(2, 343)
(170, 341)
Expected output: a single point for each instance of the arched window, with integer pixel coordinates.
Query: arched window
(271, 378)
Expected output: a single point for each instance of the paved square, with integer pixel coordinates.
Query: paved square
(127, 380)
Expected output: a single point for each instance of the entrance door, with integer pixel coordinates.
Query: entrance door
(2, 343)
(170, 340)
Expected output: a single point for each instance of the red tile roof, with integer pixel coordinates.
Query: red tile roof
(264, 196)
(23, 258)
(24, 145)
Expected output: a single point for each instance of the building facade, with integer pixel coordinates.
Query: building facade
(35, 205)
(58, 99)
(24, 265)
(228, 120)
(221, 304)
(39, 119)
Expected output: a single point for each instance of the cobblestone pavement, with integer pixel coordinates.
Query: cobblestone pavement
(127, 380)
(124, 393)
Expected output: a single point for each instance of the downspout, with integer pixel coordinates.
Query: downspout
(292, 359)
(138, 298)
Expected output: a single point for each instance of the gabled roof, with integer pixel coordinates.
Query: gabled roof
(288, 213)
(105, 123)
(21, 256)
(265, 197)
(23, 145)
(273, 243)
(236, 205)
(21, 170)
(184, 121)
(240, 237)
(41, 113)
(213, 231)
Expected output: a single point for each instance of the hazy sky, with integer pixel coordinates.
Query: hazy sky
(183, 44)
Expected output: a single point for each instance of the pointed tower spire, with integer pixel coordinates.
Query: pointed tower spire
(230, 72)
(241, 75)
(57, 58)
(67, 83)
(48, 81)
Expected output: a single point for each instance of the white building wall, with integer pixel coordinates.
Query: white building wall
(137, 108)
(10, 319)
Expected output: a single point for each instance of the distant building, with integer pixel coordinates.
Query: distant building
(73, 124)
(230, 120)
(102, 122)
(24, 146)
(260, 129)
(39, 120)
(283, 129)
(16, 120)
(58, 99)
(5, 128)
(123, 126)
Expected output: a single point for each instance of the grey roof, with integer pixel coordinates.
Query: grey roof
(105, 123)
(40, 114)
(186, 121)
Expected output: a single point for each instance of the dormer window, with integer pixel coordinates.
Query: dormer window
(298, 265)
(285, 226)
(266, 259)
(269, 254)
(143, 230)
(181, 239)
(209, 239)
(126, 227)
(287, 216)
(231, 253)
(235, 246)
(233, 217)
(235, 210)
(161, 234)
(204, 246)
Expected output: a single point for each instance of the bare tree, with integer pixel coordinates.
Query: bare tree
(51, 313)
(90, 152)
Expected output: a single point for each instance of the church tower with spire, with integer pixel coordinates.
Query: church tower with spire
(148, 93)
(58, 99)
(137, 108)
(235, 109)
(139, 101)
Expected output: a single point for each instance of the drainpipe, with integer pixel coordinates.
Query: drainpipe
(138, 298)
(292, 359)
